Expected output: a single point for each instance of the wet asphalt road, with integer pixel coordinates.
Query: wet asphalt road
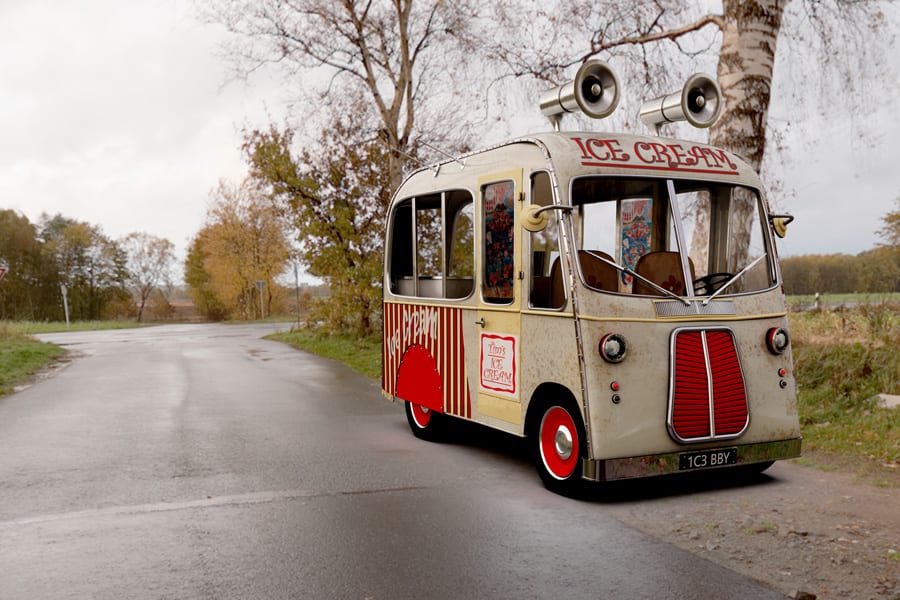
(200, 461)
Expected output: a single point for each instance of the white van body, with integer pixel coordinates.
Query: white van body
(620, 335)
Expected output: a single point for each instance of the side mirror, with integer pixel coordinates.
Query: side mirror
(780, 223)
(533, 218)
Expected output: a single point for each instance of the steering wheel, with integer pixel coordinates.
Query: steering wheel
(706, 285)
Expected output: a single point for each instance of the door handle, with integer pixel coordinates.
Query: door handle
(480, 321)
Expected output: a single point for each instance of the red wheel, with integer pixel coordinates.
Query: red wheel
(559, 443)
(421, 416)
(424, 422)
(559, 447)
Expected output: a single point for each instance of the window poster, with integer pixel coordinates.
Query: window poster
(637, 224)
(498, 241)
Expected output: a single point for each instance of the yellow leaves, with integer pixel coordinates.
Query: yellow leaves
(242, 243)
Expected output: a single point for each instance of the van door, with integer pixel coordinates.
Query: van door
(498, 355)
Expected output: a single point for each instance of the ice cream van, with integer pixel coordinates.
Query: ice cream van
(615, 299)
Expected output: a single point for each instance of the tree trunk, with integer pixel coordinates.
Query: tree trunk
(746, 63)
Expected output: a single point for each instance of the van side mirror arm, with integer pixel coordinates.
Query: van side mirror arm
(780, 223)
(533, 218)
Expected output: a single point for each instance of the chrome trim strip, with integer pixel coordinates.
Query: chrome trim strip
(662, 464)
(693, 319)
(710, 397)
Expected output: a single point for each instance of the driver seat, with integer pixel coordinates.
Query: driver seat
(662, 268)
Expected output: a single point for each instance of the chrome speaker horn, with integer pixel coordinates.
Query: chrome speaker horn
(699, 103)
(594, 91)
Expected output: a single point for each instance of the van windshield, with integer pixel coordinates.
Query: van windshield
(663, 237)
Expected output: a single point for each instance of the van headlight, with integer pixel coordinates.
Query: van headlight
(777, 340)
(613, 347)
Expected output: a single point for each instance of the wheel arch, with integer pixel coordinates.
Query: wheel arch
(544, 396)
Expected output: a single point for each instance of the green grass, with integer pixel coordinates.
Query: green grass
(21, 356)
(32, 327)
(362, 355)
(833, 299)
(842, 360)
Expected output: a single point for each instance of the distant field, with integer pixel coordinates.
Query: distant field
(830, 300)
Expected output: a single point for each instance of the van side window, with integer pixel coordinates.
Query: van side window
(462, 245)
(499, 268)
(431, 247)
(547, 284)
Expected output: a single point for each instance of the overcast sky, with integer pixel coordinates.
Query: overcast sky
(115, 112)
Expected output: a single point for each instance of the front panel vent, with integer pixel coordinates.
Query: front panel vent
(707, 392)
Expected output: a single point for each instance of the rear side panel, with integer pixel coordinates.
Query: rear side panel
(424, 357)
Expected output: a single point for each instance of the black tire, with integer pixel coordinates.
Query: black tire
(425, 424)
(756, 468)
(559, 447)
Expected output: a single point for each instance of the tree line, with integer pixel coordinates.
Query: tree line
(60, 264)
(234, 263)
(873, 271)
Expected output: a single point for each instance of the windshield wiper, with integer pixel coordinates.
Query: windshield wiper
(733, 279)
(628, 271)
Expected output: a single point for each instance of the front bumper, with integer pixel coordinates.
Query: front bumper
(612, 469)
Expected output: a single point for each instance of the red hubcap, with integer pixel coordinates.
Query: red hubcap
(421, 415)
(559, 442)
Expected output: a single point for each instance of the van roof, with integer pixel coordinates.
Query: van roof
(582, 152)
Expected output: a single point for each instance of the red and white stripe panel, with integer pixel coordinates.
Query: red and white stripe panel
(438, 330)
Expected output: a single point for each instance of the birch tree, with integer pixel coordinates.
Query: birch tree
(844, 44)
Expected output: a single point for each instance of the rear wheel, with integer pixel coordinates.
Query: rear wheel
(424, 422)
(559, 445)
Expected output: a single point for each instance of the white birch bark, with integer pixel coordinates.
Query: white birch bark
(746, 64)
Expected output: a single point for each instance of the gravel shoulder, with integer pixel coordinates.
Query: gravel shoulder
(795, 528)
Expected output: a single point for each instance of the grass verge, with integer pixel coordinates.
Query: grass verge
(362, 355)
(842, 360)
(32, 327)
(21, 356)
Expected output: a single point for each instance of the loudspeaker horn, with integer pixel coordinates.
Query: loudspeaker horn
(699, 103)
(594, 91)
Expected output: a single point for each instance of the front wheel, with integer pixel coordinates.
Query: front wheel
(756, 468)
(559, 445)
(424, 422)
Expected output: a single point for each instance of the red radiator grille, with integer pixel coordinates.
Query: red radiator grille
(708, 397)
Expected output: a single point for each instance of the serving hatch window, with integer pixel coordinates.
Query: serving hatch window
(431, 246)
(665, 237)
(499, 242)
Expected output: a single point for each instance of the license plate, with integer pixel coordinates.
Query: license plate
(707, 459)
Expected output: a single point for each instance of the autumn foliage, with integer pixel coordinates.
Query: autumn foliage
(234, 260)
(334, 199)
